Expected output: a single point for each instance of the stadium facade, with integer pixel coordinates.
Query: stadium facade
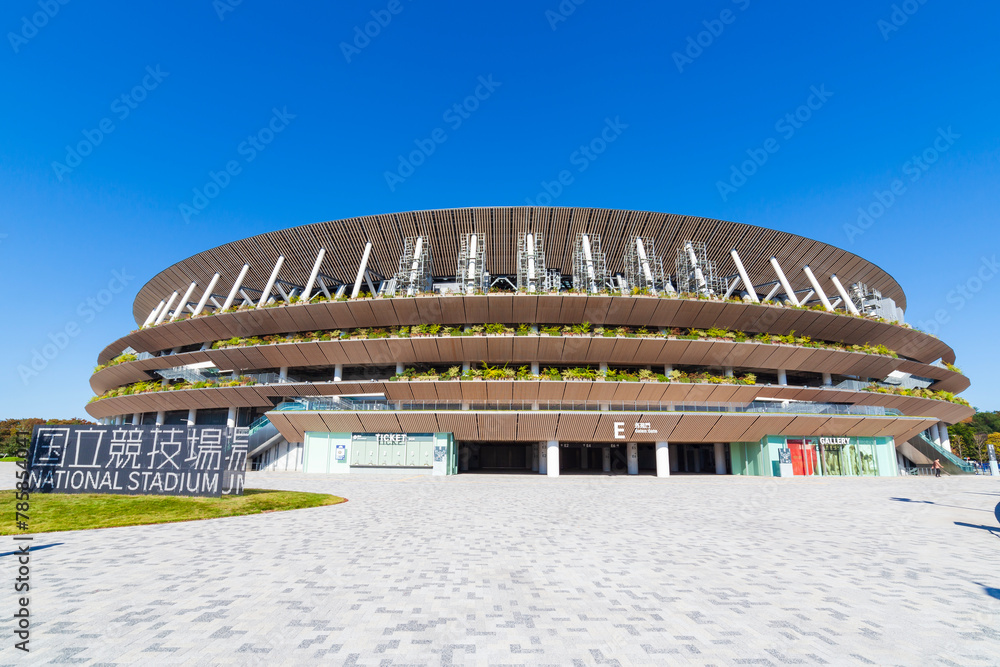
(539, 339)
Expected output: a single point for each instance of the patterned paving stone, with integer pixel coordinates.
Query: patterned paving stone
(522, 570)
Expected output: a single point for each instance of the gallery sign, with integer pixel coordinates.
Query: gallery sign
(138, 460)
(835, 441)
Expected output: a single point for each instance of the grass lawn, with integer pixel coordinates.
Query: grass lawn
(63, 511)
(7, 459)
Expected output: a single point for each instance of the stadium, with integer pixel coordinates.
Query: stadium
(539, 340)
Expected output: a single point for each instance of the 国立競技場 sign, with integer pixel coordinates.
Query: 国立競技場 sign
(138, 460)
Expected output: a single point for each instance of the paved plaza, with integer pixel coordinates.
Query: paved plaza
(523, 570)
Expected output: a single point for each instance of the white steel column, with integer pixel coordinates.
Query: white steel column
(784, 281)
(270, 282)
(192, 416)
(945, 436)
(782, 376)
(470, 277)
(606, 458)
(338, 372)
(231, 418)
(236, 287)
(640, 250)
(819, 290)
(153, 313)
(699, 275)
(182, 306)
(361, 270)
(529, 242)
(400, 368)
(827, 380)
(744, 276)
(632, 456)
(136, 418)
(166, 309)
(720, 459)
(313, 274)
(415, 266)
(552, 464)
(668, 369)
(543, 458)
(160, 417)
(663, 459)
(204, 297)
(283, 374)
(848, 304)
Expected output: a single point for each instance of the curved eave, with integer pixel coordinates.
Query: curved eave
(345, 240)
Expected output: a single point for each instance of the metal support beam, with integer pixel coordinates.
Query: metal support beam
(166, 309)
(770, 295)
(179, 310)
(307, 291)
(236, 287)
(266, 294)
(204, 297)
(789, 292)
(361, 270)
(848, 304)
(743, 275)
(153, 313)
(817, 288)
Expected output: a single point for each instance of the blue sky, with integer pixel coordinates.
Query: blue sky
(900, 101)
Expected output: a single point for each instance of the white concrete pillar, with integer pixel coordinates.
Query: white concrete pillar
(632, 456)
(192, 417)
(668, 369)
(720, 459)
(534, 457)
(936, 434)
(136, 418)
(283, 374)
(729, 372)
(782, 376)
(606, 456)
(400, 368)
(945, 436)
(231, 418)
(552, 464)
(543, 458)
(160, 417)
(584, 458)
(827, 380)
(338, 372)
(534, 368)
(603, 367)
(466, 366)
(663, 459)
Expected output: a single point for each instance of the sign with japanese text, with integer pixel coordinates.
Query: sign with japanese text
(138, 460)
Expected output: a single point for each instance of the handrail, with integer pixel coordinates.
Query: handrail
(955, 460)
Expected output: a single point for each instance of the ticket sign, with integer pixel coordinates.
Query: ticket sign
(138, 460)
